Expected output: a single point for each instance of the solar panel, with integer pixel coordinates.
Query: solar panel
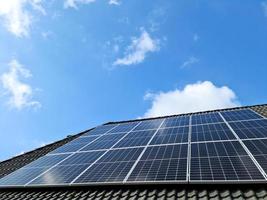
(211, 132)
(161, 163)
(176, 121)
(206, 118)
(171, 135)
(222, 161)
(136, 138)
(112, 167)
(236, 115)
(203, 148)
(250, 129)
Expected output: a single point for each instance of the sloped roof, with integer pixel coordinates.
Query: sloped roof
(191, 191)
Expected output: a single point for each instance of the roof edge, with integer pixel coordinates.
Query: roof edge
(185, 114)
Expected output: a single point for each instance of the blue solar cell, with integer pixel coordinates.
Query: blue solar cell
(22, 176)
(59, 175)
(176, 121)
(113, 166)
(171, 135)
(48, 161)
(137, 138)
(222, 161)
(68, 148)
(149, 124)
(104, 142)
(211, 132)
(236, 115)
(100, 130)
(206, 118)
(250, 129)
(161, 163)
(83, 140)
(125, 127)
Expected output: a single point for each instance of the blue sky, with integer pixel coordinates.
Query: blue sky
(68, 65)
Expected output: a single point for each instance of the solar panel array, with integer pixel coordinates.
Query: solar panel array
(226, 146)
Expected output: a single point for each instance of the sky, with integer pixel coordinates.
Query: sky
(69, 65)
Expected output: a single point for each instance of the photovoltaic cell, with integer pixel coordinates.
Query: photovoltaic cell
(68, 148)
(59, 175)
(250, 129)
(112, 167)
(211, 132)
(136, 138)
(171, 135)
(22, 176)
(104, 142)
(100, 130)
(206, 118)
(176, 121)
(149, 124)
(236, 115)
(222, 161)
(161, 163)
(125, 127)
(258, 148)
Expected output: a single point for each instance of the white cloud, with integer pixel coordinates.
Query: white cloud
(264, 7)
(138, 49)
(20, 93)
(73, 3)
(114, 2)
(199, 96)
(16, 16)
(192, 60)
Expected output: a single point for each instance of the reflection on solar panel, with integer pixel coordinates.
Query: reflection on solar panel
(211, 132)
(149, 124)
(244, 114)
(204, 148)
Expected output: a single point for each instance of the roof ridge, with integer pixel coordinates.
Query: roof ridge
(185, 114)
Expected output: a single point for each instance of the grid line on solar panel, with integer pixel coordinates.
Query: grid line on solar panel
(148, 124)
(87, 170)
(136, 138)
(258, 148)
(171, 135)
(176, 121)
(100, 130)
(206, 118)
(61, 170)
(250, 129)
(237, 115)
(124, 127)
(141, 154)
(211, 132)
(161, 163)
(222, 161)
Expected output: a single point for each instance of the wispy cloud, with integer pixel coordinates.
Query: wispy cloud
(74, 3)
(264, 7)
(193, 97)
(192, 60)
(114, 2)
(20, 93)
(137, 51)
(195, 37)
(17, 17)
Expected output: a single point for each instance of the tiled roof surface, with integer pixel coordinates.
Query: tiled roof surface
(163, 192)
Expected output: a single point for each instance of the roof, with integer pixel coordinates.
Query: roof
(191, 191)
